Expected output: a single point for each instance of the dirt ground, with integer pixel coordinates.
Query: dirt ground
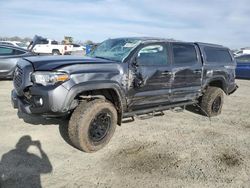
(181, 149)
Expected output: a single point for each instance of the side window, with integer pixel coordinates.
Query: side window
(184, 54)
(19, 52)
(6, 51)
(54, 42)
(43, 41)
(217, 55)
(152, 55)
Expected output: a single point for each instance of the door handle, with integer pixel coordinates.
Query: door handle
(166, 73)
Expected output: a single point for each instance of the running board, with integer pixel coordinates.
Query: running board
(157, 109)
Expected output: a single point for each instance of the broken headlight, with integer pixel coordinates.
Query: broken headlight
(49, 78)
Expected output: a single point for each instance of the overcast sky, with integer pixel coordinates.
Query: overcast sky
(224, 22)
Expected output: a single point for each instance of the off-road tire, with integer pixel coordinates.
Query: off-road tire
(81, 122)
(208, 99)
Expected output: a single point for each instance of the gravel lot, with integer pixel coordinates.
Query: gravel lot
(175, 150)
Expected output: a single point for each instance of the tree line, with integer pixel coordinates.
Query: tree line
(28, 39)
(16, 38)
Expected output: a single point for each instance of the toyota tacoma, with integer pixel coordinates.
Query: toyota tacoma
(121, 78)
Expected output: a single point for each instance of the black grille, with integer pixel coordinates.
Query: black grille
(18, 75)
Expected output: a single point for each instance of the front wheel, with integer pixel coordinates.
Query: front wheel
(55, 52)
(212, 101)
(92, 125)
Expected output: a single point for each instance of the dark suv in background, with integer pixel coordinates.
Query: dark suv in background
(121, 78)
(243, 66)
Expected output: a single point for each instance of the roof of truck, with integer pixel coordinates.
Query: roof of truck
(210, 44)
(145, 39)
(158, 39)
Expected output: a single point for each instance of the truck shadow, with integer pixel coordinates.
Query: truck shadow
(195, 109)
(63, 130)
(38, 120)
(20, 168)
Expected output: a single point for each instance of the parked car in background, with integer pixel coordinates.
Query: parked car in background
(15, 43)
(78, 47)
(9, 55)
(243, 66)
(78, 50)
(40, 45)
(242, 52)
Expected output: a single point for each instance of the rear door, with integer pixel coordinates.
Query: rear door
(151, 72)
(187, 71)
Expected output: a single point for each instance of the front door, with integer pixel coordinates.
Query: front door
(151, 74)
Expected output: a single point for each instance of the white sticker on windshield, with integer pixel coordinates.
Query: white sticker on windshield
(130, 45)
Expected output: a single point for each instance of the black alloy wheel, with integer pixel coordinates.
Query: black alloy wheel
(216, 104)
(100, 126)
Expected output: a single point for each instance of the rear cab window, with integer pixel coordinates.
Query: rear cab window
(43, 41)
(217, 55)
(53, 42)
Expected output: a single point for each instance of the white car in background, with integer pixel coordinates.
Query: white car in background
(40, 45)
(15, 43)
(78, 47)
(242, 52)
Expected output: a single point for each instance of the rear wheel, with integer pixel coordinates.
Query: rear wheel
(92, 125)
(212, 101)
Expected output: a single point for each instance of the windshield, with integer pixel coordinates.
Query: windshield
(115, 49)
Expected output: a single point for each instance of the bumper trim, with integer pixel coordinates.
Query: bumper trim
(18, 104)
(235, 88)
(14, 99)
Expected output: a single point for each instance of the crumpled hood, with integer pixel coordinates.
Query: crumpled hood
(48, 63)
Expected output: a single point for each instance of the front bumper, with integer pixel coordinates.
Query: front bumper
(17, 103)
(47, 101)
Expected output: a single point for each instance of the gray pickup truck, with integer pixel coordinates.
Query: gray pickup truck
(123, 77)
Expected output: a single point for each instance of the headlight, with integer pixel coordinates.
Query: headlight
(48, 78)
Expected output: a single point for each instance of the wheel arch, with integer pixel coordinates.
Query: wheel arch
(56, 50)
(217, 82)
(111, 91)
